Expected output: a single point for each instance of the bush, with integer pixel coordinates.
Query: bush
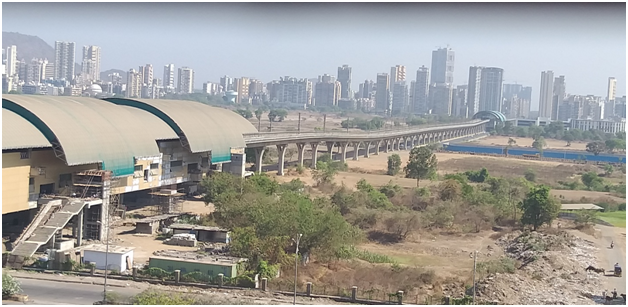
(196, 277)
(394, 165)
(151, 297)
(530, 175)
(501, 265)
(10, 286)
(158, 272)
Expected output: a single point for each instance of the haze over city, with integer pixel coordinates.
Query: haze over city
(585, 42)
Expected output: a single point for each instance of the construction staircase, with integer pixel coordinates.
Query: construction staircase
(40, 232)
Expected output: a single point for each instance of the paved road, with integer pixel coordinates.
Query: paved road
(43, 292)
(613, 256)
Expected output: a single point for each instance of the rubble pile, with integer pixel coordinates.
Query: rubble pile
(550, 271)
(182, 239)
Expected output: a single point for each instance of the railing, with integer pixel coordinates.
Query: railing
(270, 136)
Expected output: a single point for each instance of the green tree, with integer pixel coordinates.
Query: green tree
(246, 113)
(608, 170)
(277, 115)
(422, 164)
(596, 147)
(539, 207)
(530, 175)
(394, 164)
(10, 286)
(539, 143)
(568, 137)
(591, 180)
(511, 142)
(258, 114)
(615, 144)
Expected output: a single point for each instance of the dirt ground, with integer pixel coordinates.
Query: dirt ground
(527, 142)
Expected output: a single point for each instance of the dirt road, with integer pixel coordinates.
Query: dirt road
(615, 255)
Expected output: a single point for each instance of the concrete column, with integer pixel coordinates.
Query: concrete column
(386, 143)
(377, 145)
(314, 154)
(330, 149)
(80, 220)
(343, 151)
(92, 268)
(177, 276)
(356, 150)
(354, 293)
(221, 279)
(301, 152)
(281, 152)
(264, 285)
(259, 157)
(134, 273)
(308, 288)
(367, 146)
(400, 297)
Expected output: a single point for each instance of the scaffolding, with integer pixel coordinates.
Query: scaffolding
(166, 201)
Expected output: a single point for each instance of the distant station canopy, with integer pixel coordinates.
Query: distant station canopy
(490, 115)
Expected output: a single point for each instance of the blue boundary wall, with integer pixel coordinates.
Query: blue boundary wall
(555, 154)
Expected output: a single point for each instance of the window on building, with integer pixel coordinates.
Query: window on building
(154, 166)
(177, 163)
(25, 155)
(31, 181)
(139, 168)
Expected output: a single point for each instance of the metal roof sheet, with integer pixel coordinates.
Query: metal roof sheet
(92, 130)
(18, 133)
(206, 128)
(580, 207)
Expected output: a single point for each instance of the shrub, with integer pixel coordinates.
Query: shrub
(501, 265)
(158, 272)
(10, 286)
(195, 277)
(530, 175)
(151, 297)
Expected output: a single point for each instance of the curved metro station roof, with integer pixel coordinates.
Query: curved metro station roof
(90, 130)
(18, 133)
(204, 128)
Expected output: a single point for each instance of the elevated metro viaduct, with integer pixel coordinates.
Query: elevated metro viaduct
(370, 142)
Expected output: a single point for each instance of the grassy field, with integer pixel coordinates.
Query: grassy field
(617, 218)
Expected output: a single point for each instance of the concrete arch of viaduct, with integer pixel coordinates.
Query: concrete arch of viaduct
(358, 147)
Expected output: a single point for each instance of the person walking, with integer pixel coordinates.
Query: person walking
(614, 293)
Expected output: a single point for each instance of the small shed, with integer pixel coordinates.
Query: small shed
(186, 262)
(577, 207)
(118, 258)
(202, 233)
(152, 224)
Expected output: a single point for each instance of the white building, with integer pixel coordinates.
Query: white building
(91, 63)
(602, 125)
(185, 82)
(546, 94)
(117, 257)
(11, 65)
(168, 81)
(64, 61)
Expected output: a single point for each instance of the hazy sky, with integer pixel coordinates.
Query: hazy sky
(586, 42)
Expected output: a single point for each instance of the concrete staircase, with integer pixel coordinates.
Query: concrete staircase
(43, 228)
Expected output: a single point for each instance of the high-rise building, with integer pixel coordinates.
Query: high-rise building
(50, 71)
(441, 96)
(241, 85)
(64, 60)
(327, 91)
(133, 84)
(35, 71)
(211, 88)
(11, 65)
(459, 102)
(546, 94)
(612, 88)
(91, 63)
(473, 90)
(443, 66)
(344, 77)
(367, 89)
(397, 73)
(511, 90)
(147, 74)
(185, 82)
(484, 89)
(559, 93)
(382, 93)
(400, 98)
(620, 107)
(256, 87)
(491, 89)
(169, 80)
(293, 90)
(227, 83)
(420, 93)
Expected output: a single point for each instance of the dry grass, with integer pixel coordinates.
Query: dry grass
(527, 142)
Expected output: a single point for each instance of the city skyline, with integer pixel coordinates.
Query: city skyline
(522, 66)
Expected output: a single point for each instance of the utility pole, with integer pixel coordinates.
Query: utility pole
(347, 124)
(475, 256)
(299, 127)
(324, 121)
(296, 266)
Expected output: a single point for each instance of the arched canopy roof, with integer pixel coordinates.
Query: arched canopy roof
(86, 130)
(201, 127)
(18, 133)
(498, 116)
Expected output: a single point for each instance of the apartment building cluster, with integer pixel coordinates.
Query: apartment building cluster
(60, 76)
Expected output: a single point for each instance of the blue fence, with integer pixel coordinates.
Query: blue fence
(555, 154)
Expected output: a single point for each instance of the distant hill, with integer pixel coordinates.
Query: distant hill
(104, 76)
(28, 46)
